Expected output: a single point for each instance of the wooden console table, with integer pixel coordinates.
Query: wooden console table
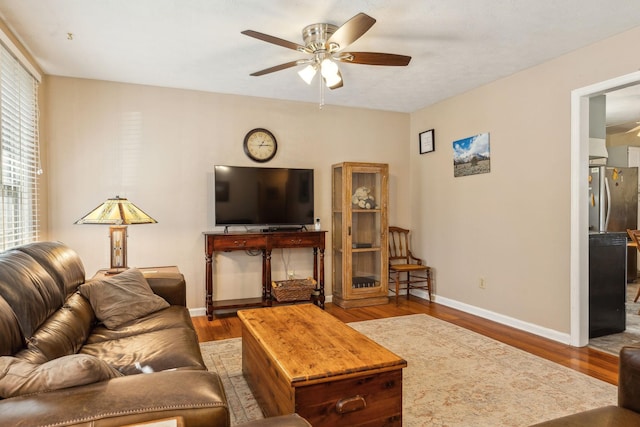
(265, 242)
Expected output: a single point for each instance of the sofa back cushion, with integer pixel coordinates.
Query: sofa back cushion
(30, 291)
(11, 339)
(61, 262)
(61, 334)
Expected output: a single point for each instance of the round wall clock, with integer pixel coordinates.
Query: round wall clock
(260, 145)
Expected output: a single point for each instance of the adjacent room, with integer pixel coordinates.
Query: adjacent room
(222, 213)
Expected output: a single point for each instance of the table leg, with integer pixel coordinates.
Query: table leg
(209, 285)
(321, 281)
(266, 277)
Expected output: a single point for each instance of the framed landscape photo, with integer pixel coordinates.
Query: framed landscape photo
(427, 141)
(472, 155)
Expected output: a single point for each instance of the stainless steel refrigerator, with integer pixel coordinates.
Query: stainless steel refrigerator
(613, 198)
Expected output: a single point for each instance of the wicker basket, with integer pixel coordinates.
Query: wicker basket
(293, 290)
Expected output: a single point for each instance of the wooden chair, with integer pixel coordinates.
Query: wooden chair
(635, 237)
(401, 260)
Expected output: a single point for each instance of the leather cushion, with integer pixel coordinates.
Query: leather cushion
(197, 396)
(170, 318)
(18, 377)
(175, 348)
(30, 291)
(61, 334)
(61, 262)
(606, 416)
(122, 298)
(11, 339)
(629, 381)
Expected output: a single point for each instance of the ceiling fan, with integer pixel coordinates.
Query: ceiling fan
(637, 128)
(325, 42)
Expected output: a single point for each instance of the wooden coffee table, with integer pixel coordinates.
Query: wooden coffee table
(298, 358)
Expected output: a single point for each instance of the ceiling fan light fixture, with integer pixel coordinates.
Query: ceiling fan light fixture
(308, 73)
(330, 72)
(332, 81)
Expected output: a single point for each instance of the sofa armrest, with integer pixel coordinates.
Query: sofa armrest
(197, 396)
(629, 378)
(170, 286)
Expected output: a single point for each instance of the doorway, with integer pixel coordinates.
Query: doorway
(579, 270)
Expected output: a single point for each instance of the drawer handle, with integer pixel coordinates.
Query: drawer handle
(351, 404)
(296, 241)
(240, 242)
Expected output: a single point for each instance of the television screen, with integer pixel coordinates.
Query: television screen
(263, 196)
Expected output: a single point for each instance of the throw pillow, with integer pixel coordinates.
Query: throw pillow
(18, 377)
(121, 298)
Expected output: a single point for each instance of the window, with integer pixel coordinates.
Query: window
(19, 157)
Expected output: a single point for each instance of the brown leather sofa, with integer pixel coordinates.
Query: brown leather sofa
(626, 413)
(43, 320)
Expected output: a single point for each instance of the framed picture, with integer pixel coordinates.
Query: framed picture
(427, 141)
(472, 155)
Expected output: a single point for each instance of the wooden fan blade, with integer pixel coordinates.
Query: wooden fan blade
(276, 68)
(275, 40)
(352, 30)
(637, 128)
(374, 58)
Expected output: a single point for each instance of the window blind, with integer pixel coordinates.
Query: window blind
(19, 157)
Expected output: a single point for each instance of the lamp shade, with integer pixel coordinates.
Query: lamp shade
(118, 211)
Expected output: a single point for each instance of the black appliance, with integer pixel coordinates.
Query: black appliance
(607, 283)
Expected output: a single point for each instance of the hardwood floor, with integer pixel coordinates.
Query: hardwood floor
(589, 361)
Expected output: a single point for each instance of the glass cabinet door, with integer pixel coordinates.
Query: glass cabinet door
(359, 231)
(337, 231)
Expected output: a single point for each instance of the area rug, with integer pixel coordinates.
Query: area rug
(454, 377)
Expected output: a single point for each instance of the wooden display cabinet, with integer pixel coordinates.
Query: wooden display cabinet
(359, 235)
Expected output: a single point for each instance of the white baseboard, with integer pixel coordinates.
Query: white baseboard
(551, 334)
(201, 311)
(561, 337)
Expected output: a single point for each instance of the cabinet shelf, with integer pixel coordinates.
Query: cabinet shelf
(359, 250)
(360, 270)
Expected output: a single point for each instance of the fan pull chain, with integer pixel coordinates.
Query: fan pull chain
(320, 83)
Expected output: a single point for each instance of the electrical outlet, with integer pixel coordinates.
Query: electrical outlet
(292, 275)
(483, 284)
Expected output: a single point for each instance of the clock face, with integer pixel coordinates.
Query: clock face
(260, 145)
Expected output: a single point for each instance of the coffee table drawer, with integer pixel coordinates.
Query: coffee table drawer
(369, 400)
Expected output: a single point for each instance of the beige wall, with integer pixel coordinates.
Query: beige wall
(158, 146)
(511, 226)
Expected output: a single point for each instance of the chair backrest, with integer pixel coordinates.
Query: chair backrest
(399, 250)
(635, 237)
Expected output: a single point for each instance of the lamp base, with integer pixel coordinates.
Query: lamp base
(118, 237)
(114, 271)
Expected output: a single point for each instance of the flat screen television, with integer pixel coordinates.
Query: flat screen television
(256, 196)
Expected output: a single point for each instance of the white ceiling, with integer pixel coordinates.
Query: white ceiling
(456, 45)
